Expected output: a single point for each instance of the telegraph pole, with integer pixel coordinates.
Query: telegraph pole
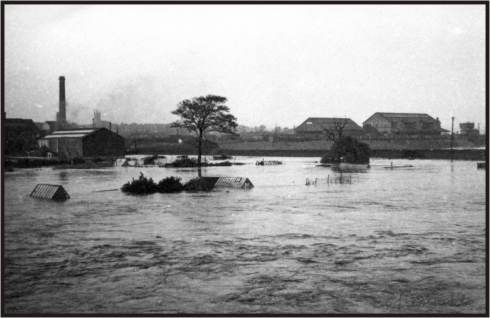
(452, 136)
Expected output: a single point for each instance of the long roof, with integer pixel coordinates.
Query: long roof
(320, 123)
(73, 133)
(405, 116)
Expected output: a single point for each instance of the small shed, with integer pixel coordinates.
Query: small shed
(50, 192)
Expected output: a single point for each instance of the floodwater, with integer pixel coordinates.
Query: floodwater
(389, 241)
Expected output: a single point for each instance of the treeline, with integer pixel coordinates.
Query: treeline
(185, 145)
(135, 130)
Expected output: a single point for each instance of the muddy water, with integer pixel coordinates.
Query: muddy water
(390, 241)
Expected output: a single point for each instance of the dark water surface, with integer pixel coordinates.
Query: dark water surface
(391, 241)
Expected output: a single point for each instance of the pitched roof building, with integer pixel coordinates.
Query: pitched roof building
(79, 143)
(318, 125)
(404, 124)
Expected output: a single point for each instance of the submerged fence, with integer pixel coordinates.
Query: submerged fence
(329, 180)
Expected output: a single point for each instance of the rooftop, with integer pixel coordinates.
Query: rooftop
(409, 116)
(315, 123)
(70, 133)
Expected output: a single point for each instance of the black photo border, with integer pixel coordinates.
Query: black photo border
(257, 3)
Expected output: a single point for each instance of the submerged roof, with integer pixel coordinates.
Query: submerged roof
(50, 191)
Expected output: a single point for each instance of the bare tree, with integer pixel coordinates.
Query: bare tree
(337, 131)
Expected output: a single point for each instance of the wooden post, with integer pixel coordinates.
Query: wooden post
(452, 137)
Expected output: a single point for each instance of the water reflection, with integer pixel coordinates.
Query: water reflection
(451, 164)
(63, 176)
(350, 169)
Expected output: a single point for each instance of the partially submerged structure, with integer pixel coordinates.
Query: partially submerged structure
(222, 157)
(230, 182)
(83, 143)
(53, 192)
(144, 185)
(268, 162)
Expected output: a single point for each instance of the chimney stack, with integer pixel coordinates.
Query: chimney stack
(62, 110)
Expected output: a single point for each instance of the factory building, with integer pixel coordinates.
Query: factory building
(97, 121)
(468, 129)
(84, 143)
(404, 124)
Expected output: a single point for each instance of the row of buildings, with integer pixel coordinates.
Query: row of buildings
(382, 124)
(68, 140)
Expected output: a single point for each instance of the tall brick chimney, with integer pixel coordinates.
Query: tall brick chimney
(62, 111)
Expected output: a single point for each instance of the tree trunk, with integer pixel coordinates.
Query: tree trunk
(199, 151)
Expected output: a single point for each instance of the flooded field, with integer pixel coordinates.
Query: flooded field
(390, 241)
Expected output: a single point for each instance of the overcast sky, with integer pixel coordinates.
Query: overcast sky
(276, 64)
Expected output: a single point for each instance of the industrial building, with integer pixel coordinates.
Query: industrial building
(84, 143)
(317, 126)
(468, 129)
(404, 124)
(97, 121)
